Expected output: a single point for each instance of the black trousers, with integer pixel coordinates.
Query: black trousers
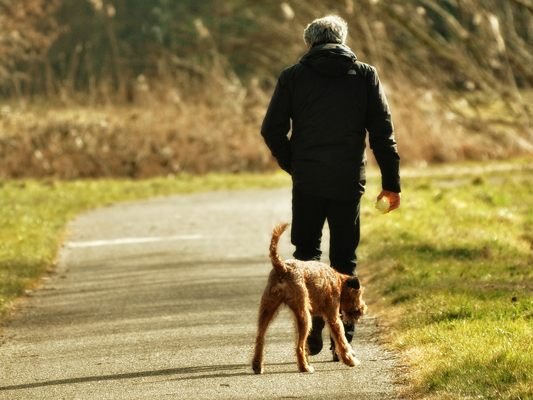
(309, 213)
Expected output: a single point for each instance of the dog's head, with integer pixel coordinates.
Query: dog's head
(353, 306)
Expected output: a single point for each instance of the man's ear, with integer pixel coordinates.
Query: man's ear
(353, 283)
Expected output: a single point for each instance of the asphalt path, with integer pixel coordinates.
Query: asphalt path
(158, 299)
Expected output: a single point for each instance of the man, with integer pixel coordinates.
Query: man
(329, 101)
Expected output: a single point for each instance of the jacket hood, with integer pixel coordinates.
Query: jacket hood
(329, 59)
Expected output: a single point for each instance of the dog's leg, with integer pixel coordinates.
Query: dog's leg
(342, 347)
(267, 311)
(303, 321)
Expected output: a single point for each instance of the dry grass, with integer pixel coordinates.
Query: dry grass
(138, 141)
(163, 134)
(436, 127)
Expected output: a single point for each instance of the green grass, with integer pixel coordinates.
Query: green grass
(455, 264)
(33, 215)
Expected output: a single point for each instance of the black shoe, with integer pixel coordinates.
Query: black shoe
(314, 340)
(335, 356)
(349, 331)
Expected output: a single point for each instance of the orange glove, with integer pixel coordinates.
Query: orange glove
(394, 199)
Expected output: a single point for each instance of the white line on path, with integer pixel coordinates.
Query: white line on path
(132, 240)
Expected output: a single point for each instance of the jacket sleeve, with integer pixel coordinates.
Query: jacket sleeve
(276, 126)
(381, 134)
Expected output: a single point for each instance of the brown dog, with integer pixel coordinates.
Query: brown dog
(308, 288)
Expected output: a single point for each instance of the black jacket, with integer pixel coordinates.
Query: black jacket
(331, 100)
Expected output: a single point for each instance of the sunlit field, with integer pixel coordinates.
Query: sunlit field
(453, 274)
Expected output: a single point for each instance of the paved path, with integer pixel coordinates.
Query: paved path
(158, 299)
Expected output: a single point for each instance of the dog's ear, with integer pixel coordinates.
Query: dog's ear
(353, 283)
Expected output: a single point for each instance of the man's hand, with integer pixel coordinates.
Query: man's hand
(394, 199)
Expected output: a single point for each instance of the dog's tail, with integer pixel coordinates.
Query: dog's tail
(277, 262)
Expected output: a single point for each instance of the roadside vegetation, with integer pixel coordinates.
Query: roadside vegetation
(452, 272)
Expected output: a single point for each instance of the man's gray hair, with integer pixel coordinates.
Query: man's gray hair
(329, 29)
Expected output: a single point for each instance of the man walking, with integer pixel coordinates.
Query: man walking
(329, 101)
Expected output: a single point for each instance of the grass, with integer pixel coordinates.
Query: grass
(452, 268)
(33, 215)
(454, 265)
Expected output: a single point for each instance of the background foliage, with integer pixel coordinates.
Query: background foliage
(198, 75)
(81, 44)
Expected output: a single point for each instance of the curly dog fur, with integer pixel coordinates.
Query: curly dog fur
(308, 288)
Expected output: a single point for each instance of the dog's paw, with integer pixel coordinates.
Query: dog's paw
(351, 360)
(257, 366)
(307, 368)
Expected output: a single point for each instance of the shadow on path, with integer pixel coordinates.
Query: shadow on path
(210, 371)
